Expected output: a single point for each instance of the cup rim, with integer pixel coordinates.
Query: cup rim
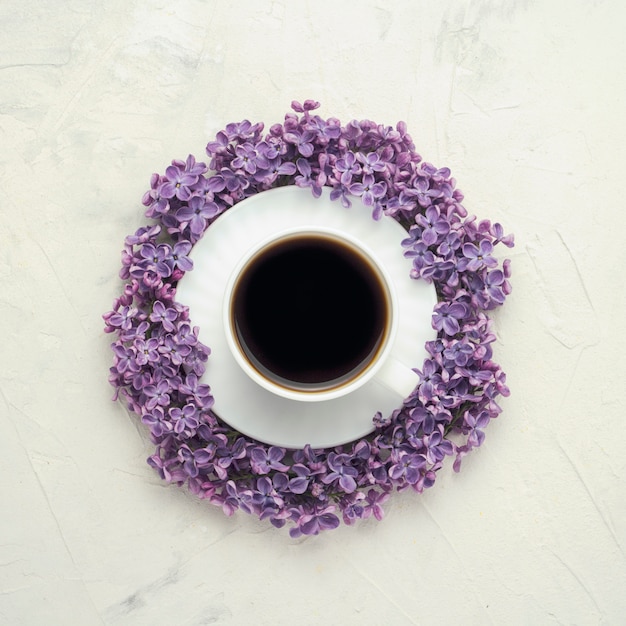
(343, 388)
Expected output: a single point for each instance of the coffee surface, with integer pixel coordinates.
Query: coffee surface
(309, 311)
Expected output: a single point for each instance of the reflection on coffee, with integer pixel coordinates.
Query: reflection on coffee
(310, 312)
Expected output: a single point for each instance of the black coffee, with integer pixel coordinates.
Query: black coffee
(310, 312)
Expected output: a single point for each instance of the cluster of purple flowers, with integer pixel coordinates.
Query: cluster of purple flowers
(159, 362)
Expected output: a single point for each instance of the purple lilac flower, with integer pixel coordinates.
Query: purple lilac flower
(199, 391)
(197, 214)
(174, 351)
(179, 179)
(304, 179)
(146, 350)
(195, 361)
(125, 358)
(157, 394)
(153, 199)
(476, 424)
(185, 420)
(266, 499)
(163, 315)
(433, 224)
(302, 141)
(348, 167)
(341, 472)
(155, 257)
(157, 421)
(178, 259)
(249, 159)
(167, 469)
(123, 318)
(477, 257)
(371, 162)
(446, 317)
(375, 500)
(263, 461)
(408, 466)
(312, 523)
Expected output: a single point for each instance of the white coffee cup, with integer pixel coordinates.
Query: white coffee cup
(255, 328)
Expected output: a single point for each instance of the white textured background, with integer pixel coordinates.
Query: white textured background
(524, 100)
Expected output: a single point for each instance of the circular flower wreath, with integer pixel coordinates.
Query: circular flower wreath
(158, 360)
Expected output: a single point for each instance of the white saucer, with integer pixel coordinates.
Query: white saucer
(242, 403)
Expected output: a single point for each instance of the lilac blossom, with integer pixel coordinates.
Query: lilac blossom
(341, 472)
(447, 316)
(197, 214)
(157, 421)
(180, 177)
(263, 461)
(163, 315)
(433, 225)
(368, 190)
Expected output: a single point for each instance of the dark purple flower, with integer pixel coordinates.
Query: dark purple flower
(266, 499)
(304, 178)
(375, 500)
(436, 446)
(476, 424)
